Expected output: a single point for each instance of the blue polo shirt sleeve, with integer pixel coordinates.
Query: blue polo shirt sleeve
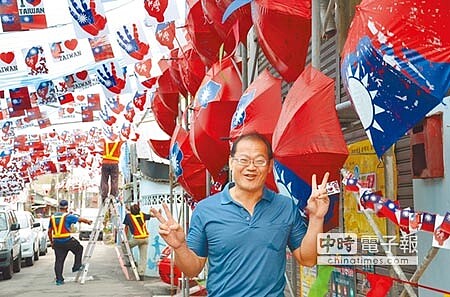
(71, 219)
(196, 239)
(298, 230)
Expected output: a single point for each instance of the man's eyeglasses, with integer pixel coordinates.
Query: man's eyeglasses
(246, 162)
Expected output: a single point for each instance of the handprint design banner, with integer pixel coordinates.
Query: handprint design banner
(134, 44)
(112, 78)
(88, 18)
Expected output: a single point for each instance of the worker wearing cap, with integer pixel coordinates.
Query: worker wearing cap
(61, 240)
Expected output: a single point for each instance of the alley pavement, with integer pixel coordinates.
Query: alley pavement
(106, 277)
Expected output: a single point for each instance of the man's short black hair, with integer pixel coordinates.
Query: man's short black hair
(252, 136)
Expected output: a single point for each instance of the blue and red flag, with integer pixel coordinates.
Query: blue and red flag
(395, 65)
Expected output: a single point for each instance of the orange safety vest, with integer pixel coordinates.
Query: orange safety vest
(59, 228)
(112, 150)
(139, 227)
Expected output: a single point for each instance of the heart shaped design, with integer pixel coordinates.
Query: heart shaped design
(34, 2)
(143, 68)
(70, 109)
(82, 74)
(71, 44)
(81, 97)
(7, 57)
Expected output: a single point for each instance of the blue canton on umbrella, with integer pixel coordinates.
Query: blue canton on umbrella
(176, 156)
(387, 101)
(208, 92)
(239, 115)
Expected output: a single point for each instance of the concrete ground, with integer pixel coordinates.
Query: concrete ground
(105, 277)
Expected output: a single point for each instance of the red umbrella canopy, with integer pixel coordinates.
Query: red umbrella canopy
(308, 140)
(192, 69)
(281, 26)
(204, 37)
(214, 10)
(160, 147)
(164, 116)
(396, 65)
(258, 108)
(214, 105)
(258, 111)
(168, 91)
(188, 170)
(174, 70)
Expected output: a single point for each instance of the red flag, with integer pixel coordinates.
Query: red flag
(20, 100)
(379, 285)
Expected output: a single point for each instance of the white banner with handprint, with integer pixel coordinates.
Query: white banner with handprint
(88, 18)
(133, 43)
(112, 78)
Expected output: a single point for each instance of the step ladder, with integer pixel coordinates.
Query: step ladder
(98, 226)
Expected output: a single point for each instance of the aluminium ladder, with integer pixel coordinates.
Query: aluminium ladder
(98, 225)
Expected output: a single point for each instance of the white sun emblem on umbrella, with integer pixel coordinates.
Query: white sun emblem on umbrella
(362, 98)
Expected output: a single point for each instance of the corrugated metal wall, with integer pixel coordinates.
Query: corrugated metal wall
(353, 131)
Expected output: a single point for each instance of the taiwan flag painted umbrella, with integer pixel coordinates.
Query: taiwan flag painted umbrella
(214, 10)
(174, 70)
(214, 105)
(258, 110)
(308, 139)
(395, 65)
(164, 116)
(281, 27)
(188, 170)
(168, 91)
(192, 69)
(160, 147)
(202, 34)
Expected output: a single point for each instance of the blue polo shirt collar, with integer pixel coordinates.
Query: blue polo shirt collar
(226, 197)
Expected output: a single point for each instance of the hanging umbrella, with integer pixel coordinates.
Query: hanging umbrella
(203, 36)
(214, 10)
(174, 70)
(308, 139)
(282, 26)
(192, 69)
(164, 116)
(188, 170)
(214, 105)
(160, 147)
(258, 111)
(168, 91)
(396, 65)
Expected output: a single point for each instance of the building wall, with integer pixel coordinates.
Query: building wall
(433, 195)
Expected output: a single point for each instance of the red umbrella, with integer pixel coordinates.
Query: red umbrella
(258, 108)
(160, 147)
(258, 111)
(202, 34)
(281, 26)
(192, 69)
(214, 105)
(214, 10)
(308, 138)
(174, 70)
(168, 91)
(164, 116)
(188, 170)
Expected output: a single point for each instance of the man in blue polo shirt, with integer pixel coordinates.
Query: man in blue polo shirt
(243, 231)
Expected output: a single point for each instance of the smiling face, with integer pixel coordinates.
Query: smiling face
(250, 178)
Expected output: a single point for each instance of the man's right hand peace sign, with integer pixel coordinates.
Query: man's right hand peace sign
(169, 229)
